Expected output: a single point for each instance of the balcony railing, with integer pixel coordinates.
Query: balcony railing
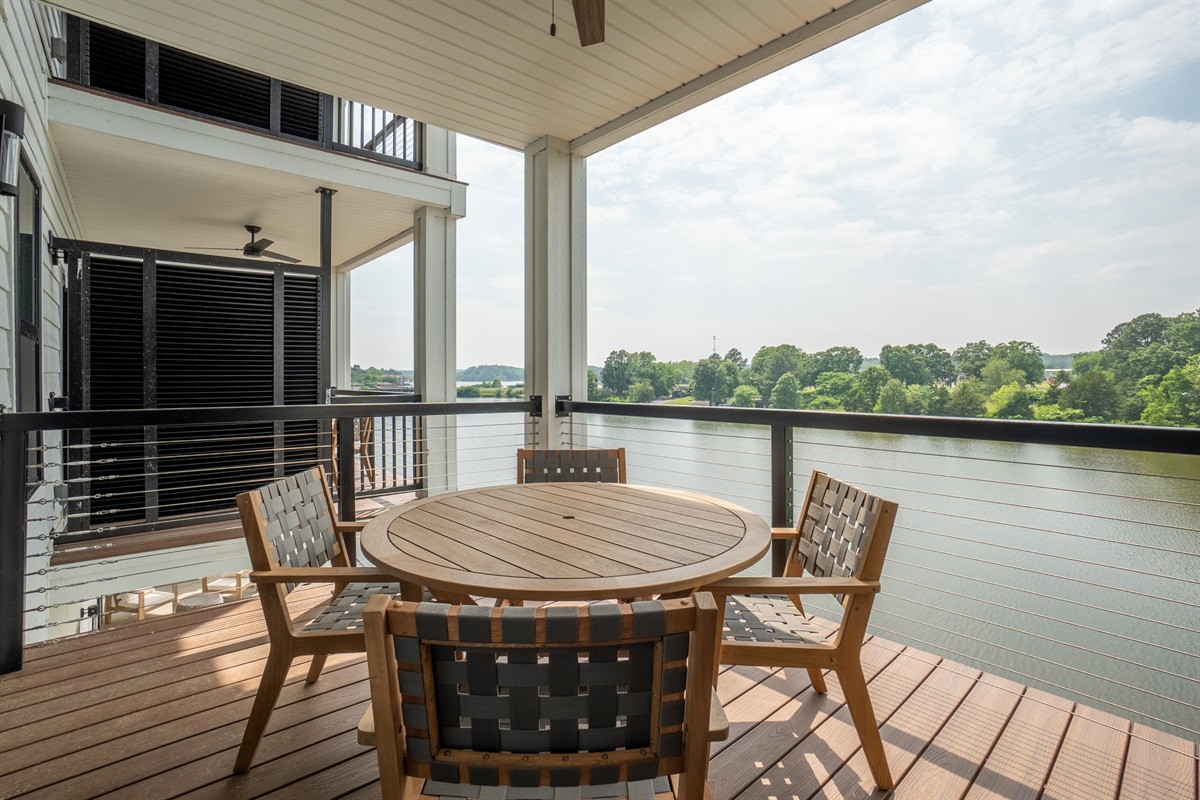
(1062, 555)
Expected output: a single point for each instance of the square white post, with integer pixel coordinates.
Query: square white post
(434, 319)
(555, 287)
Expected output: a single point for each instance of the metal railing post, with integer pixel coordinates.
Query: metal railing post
(345, 462)
(781, 491)
(12, 550)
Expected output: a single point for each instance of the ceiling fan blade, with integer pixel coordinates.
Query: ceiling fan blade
(589, 19)
(279, 257)
(213, 248)
(261, 244)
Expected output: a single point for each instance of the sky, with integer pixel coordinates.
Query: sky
(969, 170)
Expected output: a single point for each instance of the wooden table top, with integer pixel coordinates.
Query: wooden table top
(566, 541)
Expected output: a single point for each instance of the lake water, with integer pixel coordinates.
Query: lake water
(1076, 570)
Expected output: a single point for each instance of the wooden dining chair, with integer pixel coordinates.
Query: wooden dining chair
(841, 542)
(293, 537)
(561, 466)
(613, 698)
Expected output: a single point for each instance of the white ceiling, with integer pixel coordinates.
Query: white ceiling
(489, 68)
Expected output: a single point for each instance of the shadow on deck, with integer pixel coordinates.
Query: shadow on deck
(156, 710)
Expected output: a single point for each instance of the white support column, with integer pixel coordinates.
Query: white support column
(434, 318)
(339, 329)
(555, 286)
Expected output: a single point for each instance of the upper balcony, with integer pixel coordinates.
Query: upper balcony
(165, 149)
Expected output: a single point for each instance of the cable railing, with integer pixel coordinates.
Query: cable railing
(1071, 568)
(362, 128)
(113, 502)
(1062, 558)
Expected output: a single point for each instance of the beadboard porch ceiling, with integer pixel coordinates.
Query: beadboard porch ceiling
(491, 69)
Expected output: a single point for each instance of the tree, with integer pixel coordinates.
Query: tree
(891, 398)
(594, 390)
(746, 396)
(970, 358)
(1024, 356)
(835, 384)
(867, 386)
(903, 364)
(837, 359)
(1095, 394)
(998, 372)
(968, 398)
(469, 391)
(1176, 398)
(615, 373)
(917, 363)
(714, 379)
(1010, 402)
(1083, 363)
(770, 363)
(926, 400)
(786, 392)
(735, 357)
(641, 392)
(664, 378)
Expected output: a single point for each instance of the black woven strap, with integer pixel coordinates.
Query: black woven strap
(588, 466)
(497, 692)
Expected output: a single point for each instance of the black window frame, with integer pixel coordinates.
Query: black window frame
(27, 328)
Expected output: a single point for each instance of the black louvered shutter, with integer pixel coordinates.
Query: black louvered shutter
(116, 381)
(214, 344)
(300, 112)
(301, 365)
(117, 61)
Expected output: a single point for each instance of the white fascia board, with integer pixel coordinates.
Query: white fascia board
(91, 111)
(383, 248)
(824, 32)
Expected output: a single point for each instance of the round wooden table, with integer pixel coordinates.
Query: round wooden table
(566, 541)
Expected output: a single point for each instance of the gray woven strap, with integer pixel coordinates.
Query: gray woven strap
(835, 530)
(298, 521)
(754, 618)
(345, 612)
(558, 466)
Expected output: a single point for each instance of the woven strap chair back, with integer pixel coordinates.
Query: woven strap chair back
(560, 466)
(298, 521)
(600, 687)
(836, 532)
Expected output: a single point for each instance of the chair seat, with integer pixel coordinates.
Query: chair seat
(769, 619)
(634, 790)
(345, 612)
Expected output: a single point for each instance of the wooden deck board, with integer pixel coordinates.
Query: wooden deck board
(157, 709)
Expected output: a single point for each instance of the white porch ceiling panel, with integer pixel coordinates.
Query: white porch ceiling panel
(490, 68)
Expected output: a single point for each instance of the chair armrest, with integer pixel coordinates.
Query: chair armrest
(349, 527)
(783, 533)
(366, 728)
(807, 585)
(322, 575)
(718, 723)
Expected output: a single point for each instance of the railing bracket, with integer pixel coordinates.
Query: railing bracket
(559, 400)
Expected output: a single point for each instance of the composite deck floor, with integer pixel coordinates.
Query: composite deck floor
(156, 710)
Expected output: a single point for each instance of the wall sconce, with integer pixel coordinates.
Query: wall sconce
(12, 130)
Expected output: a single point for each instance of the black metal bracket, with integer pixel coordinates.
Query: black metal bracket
(559, 399)
(537, 406)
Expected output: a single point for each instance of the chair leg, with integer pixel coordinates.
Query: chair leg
(314, 669)
(279, 660)
(854, 687)
(818, 680)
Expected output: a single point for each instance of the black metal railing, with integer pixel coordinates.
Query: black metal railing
(190, 493)
(1064, 557)
(387, 446)
(377, 133)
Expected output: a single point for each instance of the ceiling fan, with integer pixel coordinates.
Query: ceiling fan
(255, 248)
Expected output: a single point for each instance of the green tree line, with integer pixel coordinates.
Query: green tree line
(1147, 371)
